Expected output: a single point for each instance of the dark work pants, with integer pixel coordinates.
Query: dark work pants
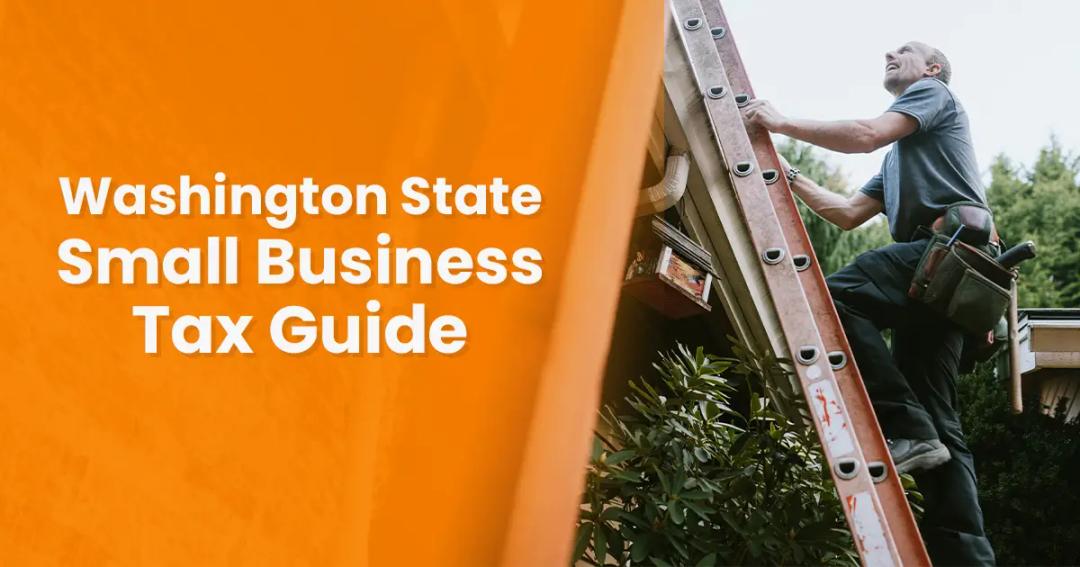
(913, 390)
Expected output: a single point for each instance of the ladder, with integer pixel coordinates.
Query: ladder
(874, 503)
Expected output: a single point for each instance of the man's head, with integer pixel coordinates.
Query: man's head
(911, 62)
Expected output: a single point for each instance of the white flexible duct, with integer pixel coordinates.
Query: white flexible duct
(670, 189)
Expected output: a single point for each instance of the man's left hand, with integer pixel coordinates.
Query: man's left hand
(763, 114)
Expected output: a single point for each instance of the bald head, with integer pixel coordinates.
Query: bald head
(913, 61)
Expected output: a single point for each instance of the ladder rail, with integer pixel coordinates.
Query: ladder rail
(798, 314)
(864, 421)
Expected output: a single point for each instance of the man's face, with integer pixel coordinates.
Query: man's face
(906, 65)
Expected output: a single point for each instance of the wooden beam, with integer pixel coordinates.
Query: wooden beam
(1054, 339)
(1057, 360)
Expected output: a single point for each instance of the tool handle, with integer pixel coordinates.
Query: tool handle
(1017, 254)
(959, 231)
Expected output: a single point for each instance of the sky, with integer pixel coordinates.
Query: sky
(1016, 65)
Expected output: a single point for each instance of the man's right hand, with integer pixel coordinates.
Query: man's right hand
(763, 114)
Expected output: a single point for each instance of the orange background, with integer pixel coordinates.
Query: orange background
(111, 456)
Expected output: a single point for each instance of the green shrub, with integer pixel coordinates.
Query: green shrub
(703, 470)
(1027, 466)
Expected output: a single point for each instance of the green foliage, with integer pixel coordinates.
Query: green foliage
(1042, 204)
(834, 247)
(1027, 468)
(691, 477)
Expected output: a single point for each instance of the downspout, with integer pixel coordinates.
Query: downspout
(670, 189)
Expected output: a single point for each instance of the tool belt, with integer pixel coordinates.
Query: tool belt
(976, 219)
(956, 277)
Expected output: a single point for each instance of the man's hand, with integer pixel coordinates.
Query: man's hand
(763, 114)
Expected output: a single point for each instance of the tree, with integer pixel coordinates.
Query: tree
(1042, 203)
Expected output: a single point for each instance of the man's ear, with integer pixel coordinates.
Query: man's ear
(933, 70)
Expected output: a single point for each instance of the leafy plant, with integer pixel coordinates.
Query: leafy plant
(704, 470)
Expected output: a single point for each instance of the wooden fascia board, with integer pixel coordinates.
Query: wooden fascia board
(1054, 338)
(1057, 360)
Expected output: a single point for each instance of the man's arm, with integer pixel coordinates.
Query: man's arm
(843, 211)
(846, 136)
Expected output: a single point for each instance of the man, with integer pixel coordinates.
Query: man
(931, 165)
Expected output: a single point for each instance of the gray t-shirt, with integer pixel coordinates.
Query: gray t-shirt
(930, 169)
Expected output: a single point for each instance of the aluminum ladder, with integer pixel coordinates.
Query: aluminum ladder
(874, 503)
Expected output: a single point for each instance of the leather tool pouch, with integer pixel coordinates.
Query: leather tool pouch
(962, 283)
(976, 219)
